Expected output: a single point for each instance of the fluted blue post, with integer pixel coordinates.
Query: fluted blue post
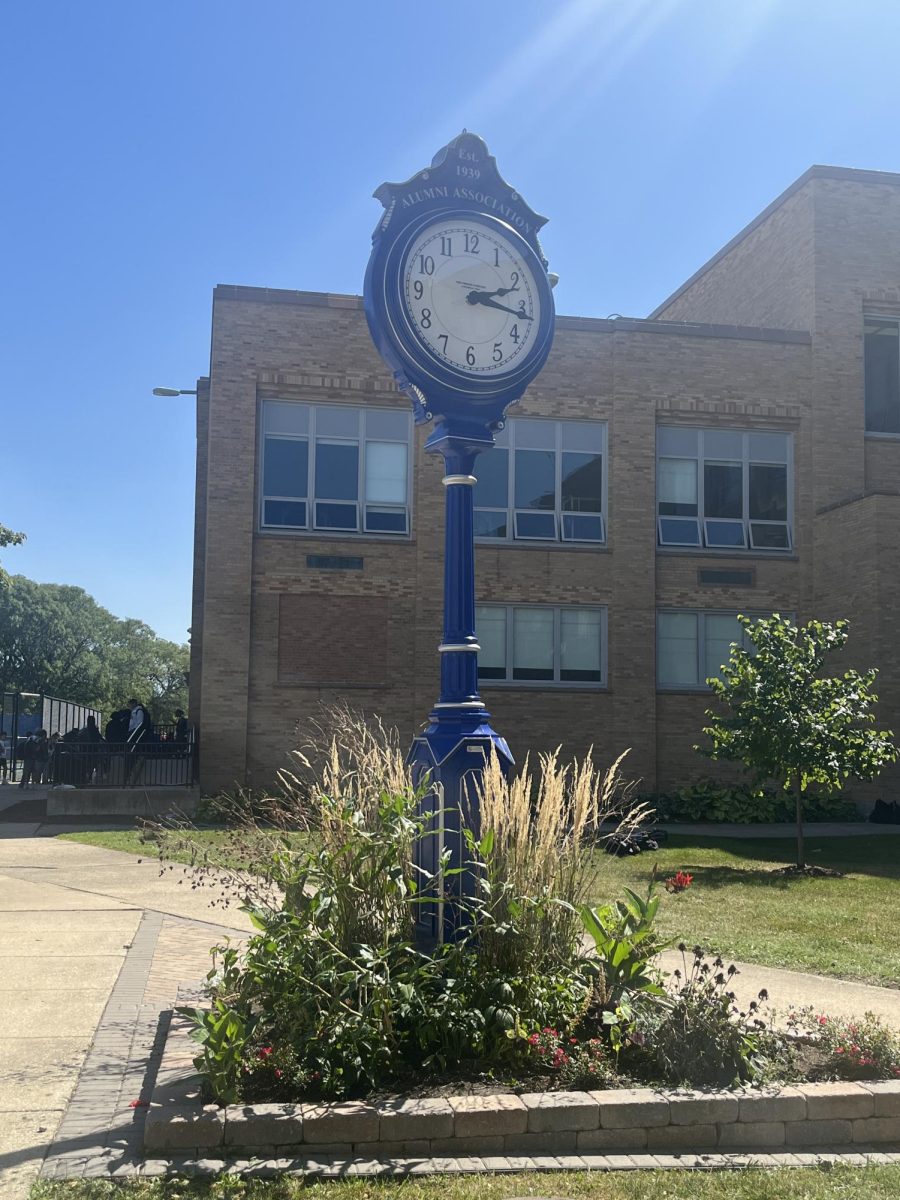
(453, 750)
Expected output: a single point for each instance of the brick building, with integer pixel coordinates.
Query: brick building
(738, 451)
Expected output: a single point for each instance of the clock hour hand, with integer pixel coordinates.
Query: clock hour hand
(482, 298)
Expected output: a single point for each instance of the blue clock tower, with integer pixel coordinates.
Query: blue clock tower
(459, 304)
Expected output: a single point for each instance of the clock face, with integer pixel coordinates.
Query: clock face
(470, 297)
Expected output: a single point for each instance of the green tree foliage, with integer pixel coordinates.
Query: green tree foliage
(9, 537)
(56, 639)
(789, 722)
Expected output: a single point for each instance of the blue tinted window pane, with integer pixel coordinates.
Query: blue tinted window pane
(725, 533)
(582, 482)
(536, 525)
(492, 471)
(676, 532)
(285, 467)
(535, 479)
(582, 528)
(285, 513)
(336, 516)
(337, 471)
(490, 524)
(386, 520)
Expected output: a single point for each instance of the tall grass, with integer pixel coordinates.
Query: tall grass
(540, 833)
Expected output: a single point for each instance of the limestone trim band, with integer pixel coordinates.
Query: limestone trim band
(470, 480)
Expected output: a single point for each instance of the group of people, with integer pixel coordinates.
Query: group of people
(127, 730)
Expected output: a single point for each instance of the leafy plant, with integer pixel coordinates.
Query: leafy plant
(577, 1063)
(787, 721)
(699, 1037)
(857, 1047)
(743, 804)
(626, 945)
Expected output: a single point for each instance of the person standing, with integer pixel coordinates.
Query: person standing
(41, 771)
(181, 726)
(139, 730)
(4, 753)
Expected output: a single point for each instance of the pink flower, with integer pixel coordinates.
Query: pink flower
(264, 1052)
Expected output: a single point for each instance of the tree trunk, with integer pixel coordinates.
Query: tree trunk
(798, 797)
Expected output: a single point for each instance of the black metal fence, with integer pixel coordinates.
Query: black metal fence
(119, 764)
(165, 756)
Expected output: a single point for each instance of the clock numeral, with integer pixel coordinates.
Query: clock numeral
(426, 264)
(447, 246)
(498, 351)
(418, 289)
(472, 240)
(496, 257)
(515, 279)
(522, 312)
(514, 333)
(426, 318)
(470, 356)
(442, 337)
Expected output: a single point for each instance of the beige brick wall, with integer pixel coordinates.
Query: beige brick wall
(764, 277)
(629, 374)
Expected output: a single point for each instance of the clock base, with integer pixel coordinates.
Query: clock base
(449, 758)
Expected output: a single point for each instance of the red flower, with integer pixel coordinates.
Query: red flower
(679, 882)
(822, 1020)
(264, 1052)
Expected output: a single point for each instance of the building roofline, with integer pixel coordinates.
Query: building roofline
(851, 174)
(262, 295)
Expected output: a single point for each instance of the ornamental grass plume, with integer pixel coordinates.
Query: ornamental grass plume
(544, 828)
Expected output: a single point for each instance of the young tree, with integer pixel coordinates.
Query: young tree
(787, 721)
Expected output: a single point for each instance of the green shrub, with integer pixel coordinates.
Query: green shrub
(742, 804)
(856, 1047)
(699, 1037)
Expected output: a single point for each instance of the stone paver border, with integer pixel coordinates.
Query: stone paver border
(632, 1122)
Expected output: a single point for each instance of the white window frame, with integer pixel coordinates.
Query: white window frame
(703, 667)
(505, 440)
(556, 683)
(887, 319)
(747, 522)
(360, 505)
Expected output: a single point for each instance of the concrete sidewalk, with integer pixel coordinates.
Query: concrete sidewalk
(69, 916)
(93, 945)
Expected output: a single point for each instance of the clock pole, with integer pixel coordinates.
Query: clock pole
(460, 195)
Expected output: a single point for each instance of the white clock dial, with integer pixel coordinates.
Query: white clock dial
(470, 297)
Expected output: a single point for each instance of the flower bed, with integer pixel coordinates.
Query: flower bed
(833, 1114)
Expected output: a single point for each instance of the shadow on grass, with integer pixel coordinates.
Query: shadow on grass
(858, 855)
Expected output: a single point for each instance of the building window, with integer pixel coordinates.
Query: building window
(692, 647)
(338, 470)
(544, 481)
(882, 342)
(723, 489)
(530, 644)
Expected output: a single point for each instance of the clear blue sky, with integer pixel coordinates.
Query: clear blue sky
(153, 150)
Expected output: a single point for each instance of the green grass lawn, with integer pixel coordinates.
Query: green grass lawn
(848, 927)
(848, 1183)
